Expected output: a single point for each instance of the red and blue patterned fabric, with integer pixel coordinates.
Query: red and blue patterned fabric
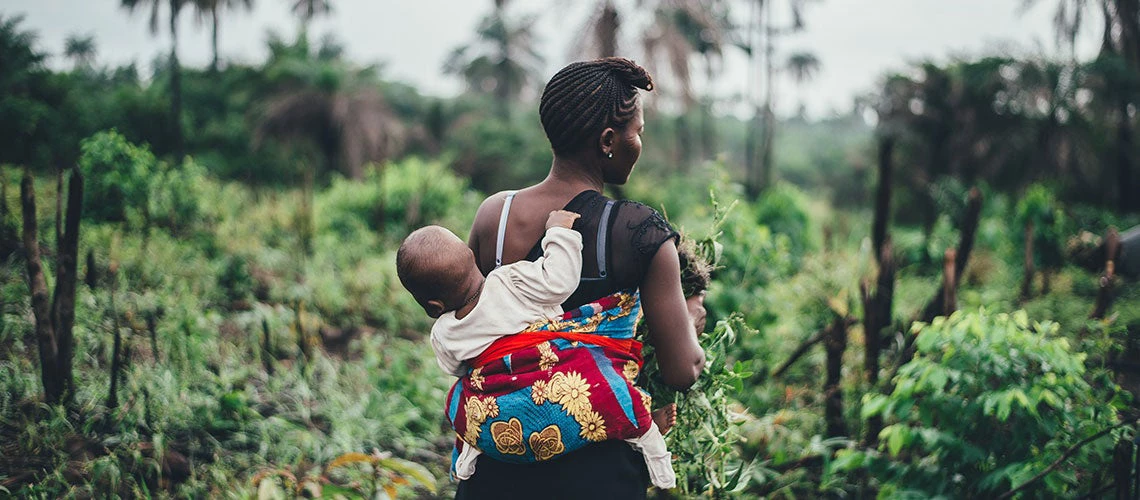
(555, 387)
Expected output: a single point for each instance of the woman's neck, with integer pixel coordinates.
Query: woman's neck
(574, 175)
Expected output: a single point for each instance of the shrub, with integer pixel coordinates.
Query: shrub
(401, 197)
(117, 175)
(989, 401)
(174, 196)
(783, 208)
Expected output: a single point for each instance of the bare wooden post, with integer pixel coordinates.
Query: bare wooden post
(877, 316)
(56, 389)
(835, 343)
(54, 319)
(92, 277)
(883, 194)
(1104, 295)
(949, 283)
(1027, 283)
(1122, 469)
(302, 337)
(266, 348)
(152, 329)
(3, 194)
(116, 359)
(962, 256)
(67, 257)
(58, 205)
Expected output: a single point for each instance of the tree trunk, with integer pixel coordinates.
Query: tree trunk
(684, 146)
(969, 230)
(708, 130)
(176, 85)
(1126, 195)
(54, 319)
(767, 166)
(55, 387)
(266, 348)
(835, 344)
(949, 283)
(116, 358)
(607, 29)
(92, 278)
(58, 205)
(752, 173)
(883, 195)
(152, 329)
(67, 262)
(214, 36)
(1027, 282)
(877, 316)
(1122, 469)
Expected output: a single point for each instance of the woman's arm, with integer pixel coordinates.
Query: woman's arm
(671, 332)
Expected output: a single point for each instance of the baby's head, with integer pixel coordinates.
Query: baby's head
(438, 269)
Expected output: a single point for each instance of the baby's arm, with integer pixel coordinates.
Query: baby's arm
(554, 276)
(446, 359)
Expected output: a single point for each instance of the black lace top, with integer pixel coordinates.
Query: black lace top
(632, 234)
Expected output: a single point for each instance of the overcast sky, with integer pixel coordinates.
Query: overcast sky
(857, 41)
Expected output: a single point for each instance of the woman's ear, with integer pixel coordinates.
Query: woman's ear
(606, 141)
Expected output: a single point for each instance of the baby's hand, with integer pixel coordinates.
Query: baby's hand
(561, 218)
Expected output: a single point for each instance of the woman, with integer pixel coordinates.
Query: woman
(593, 118)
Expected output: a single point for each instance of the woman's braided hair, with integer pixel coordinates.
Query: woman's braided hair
(585, 97)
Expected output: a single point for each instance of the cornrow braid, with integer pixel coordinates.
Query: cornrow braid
(585, 97)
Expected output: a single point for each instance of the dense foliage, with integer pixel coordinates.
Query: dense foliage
(240, 329)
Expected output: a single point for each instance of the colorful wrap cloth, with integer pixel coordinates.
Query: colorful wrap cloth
(555, 387)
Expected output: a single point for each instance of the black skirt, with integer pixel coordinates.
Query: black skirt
(602, 471)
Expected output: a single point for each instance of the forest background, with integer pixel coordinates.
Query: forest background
(928, 291)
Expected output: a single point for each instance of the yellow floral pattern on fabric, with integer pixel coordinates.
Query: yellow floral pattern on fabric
(477, 378)
(630, 370)
(547, 443)
(547, 359)
(538, 392)
(593, 426)
(478, 411)
(624, 307)
(508, 437)
(646, 400)
(572, 391)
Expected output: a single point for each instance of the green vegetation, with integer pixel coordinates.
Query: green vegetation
(918, 308)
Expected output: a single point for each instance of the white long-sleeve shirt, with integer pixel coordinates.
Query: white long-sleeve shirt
(513, 297)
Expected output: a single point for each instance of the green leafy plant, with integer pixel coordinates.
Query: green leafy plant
(117, 177)
(988, 401)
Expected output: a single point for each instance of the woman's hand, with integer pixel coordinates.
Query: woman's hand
(696, 306)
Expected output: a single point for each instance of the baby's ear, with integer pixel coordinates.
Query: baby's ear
(434, 308)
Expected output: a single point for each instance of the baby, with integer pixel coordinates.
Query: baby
(472, 311)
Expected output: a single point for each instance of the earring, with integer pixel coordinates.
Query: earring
(610, 154)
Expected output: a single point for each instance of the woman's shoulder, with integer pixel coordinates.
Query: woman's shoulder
(487, 215)
(646, 227)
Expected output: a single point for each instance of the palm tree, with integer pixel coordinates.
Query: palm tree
(307, 10)
(210, 9)
(503, 60)
(599, 35)
(80, 49)
(324, 102)
(175, 7)
(762, 27)
(1121, 42)
(680, 30)
(803, 66)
